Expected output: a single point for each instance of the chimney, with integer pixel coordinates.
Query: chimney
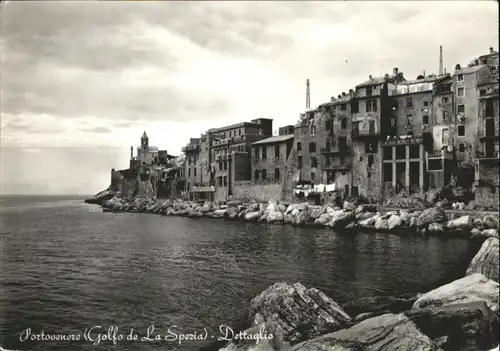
(386, 76)
(491, 50)
(457, 66)
(370, 77)
(131, 152)
(395, 71)
(351, 92)
(332, 99)
(445, 71)
(424, 73)
(340, 96)
(343, 93)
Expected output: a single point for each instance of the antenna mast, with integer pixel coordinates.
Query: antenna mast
(308, 95)
(441, 60)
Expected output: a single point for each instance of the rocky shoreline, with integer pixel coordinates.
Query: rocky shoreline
(363, 217)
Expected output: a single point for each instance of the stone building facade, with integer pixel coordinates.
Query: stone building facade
(269, 157)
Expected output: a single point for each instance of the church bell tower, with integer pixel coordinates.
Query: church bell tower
(144, 141)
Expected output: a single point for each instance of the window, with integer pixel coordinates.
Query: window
(368, 91)
(264, 174)
(410, 134)
(482, 92)
(343, 123)
(328, 124)
(393, 121)
(355, 107)
(409, 120)
(444, 136)
(444, 117)
(225, 165)
(264, 152)
(312, 176)
(312, 147)
(277, 174)
(220, 166)
(371, 105)
(444, 99)
(409, 102)
(342, 143)
(460, 77)
(369, 148)
(299, 162)
(313, 130)
(225, 180)
(239, 131)
(461, 92)
(461, 147)
(461, 130)
(426, 103)
(189, 172)
(299, 146)
(370, 160)
(314, 162)
(426, 119)
(220, 180)
(461, 108)
(276, 151)
(256, 152)
(256, 174)
(343, 107)
(194, 171)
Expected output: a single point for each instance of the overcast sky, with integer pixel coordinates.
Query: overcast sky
(81, 81)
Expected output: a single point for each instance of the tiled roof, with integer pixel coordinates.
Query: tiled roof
(274, 139)
(468, 70)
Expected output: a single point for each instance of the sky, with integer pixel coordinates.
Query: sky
(80, 81)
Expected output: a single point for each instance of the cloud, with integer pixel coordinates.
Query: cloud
(97, 130)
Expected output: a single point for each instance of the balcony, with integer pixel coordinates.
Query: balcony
(222, 157)
(442, 154)
(238, 139)
(191, 147)
(345, 149)
(488, 134)
(489, 156)
(362, 134)
(223, 142)
(338, 166)
(403, 141)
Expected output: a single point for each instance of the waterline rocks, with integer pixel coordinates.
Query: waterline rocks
(361, 218)
(301, 313)
(486, 260)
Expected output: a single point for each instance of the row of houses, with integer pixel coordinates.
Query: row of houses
(385, 136)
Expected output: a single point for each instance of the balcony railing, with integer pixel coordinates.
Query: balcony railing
(222, 157)
(403, 141)
(364, 133)
(336, 150)
(444, 153)
(494, 155)
(490, 133)
(256, 160)
(221, 142)
(333, 166)
(191, 147)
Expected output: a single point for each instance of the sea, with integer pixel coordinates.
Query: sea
(75, 278)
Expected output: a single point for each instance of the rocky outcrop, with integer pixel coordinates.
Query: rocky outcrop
(103, 196)
(458, 327)
(486, 260)
(383, 333)
(379, 304)
(299, 312)
(430, 215)
(472, 288)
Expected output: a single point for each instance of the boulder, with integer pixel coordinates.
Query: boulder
(387, 332)
(431, 215)
(436, 227)
(365, 208)
(348, 206)
(368, 223)
(393, 222)
(459, 327)
(460, 223)
(275, 217)
(234, 203)
(490, 221)
(381, 224)
(379, 304)
(364, 215)
(474, 287)
(300, 312)
(219, 213)
(475, 233)
(486, 260)
(340, 219)
(405, 216)
(490, 233)
(288, 219)
(324, 219)
(317, 212)
(252, 216)
(478, 223)
(282, 208)
(302, 218)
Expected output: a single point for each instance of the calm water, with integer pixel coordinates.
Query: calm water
(65, 266)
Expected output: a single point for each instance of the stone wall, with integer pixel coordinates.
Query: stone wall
(487, 196)
(259, 193)
(367, 178)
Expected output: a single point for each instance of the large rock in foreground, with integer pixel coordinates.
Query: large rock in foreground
(475, 287)
(379, 304)
(459, 327)
(486, 260)
(301, 313)
(388, 332)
